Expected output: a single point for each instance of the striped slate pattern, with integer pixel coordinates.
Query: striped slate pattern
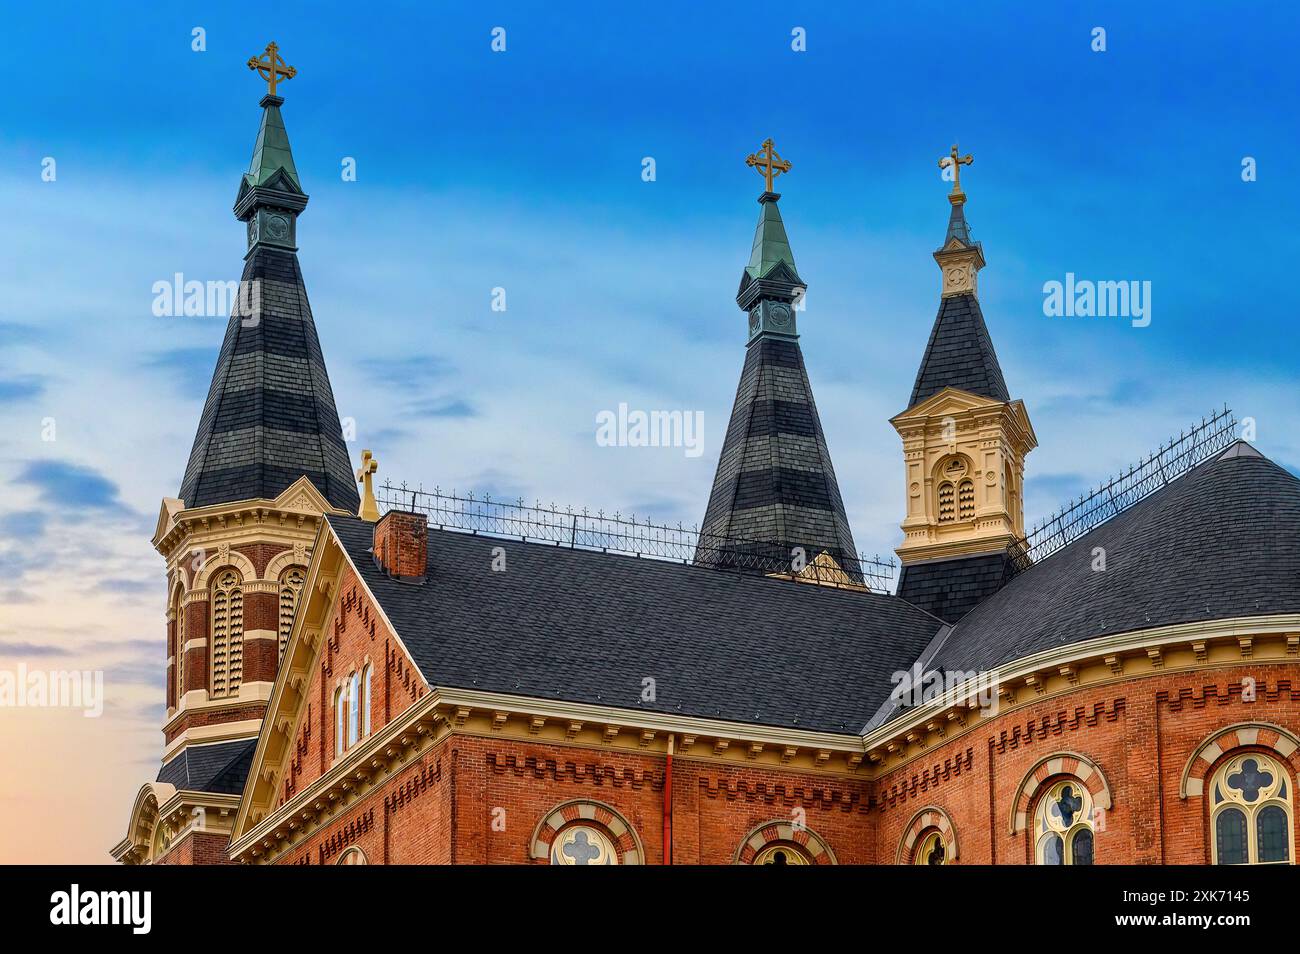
(269, 417)
(775, 483)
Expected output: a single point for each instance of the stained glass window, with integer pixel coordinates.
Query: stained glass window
(1251, 812)
(1064, 823)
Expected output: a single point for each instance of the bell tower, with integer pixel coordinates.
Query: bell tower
(964, 442)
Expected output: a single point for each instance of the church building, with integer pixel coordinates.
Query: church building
(417, 678)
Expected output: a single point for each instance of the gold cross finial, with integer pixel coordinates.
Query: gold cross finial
(272, 68)
(369, 511)
(768, 162)
(956, 196)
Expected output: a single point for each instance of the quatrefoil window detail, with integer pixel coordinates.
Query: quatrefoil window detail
(1250, 779)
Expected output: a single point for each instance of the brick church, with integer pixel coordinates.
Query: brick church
(428, 679)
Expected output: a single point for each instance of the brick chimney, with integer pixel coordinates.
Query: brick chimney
(402, 544)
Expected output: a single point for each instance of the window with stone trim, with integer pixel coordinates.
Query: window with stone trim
(1250, 812)
(291, 582)
(1064, 825)
(353, 856)
(782, 853)
(227, 635)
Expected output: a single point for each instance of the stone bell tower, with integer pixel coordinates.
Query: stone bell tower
(964, 442)
(268, 461)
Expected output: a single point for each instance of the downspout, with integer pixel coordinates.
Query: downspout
(668, 803)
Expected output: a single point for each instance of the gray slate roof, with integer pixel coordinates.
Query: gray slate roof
(270, 417)
(959, 354)
(219, 767)
(1222, 541)
(588, 627)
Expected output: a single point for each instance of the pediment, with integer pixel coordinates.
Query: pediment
(171, 506)
(301, 496)
(948, 402)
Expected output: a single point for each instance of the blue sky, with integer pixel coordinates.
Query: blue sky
(522, 170)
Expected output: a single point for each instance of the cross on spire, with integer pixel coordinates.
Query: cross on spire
(768, 162)
(956, 197)
(272, 68)
(365, 477)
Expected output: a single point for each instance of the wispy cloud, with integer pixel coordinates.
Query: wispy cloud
(24, 388)
(64, 484)
(190, 368)
(25, 525)
(443, 407)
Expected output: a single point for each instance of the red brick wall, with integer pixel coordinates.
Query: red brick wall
(1140, 733)
(197, 848)
(357, 638)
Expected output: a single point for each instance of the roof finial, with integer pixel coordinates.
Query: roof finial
(768, 163)
(956, 197)
(273, 68)
(368, 510)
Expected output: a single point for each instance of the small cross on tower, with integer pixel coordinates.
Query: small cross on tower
(369, 510)
(768, 162)
(956, 162)
(272, 68)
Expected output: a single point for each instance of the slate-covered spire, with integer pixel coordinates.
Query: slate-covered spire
(775, 488)
(269, 417)
(960, 352)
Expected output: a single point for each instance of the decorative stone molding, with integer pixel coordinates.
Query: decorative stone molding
(930, 817)
(1058, 763)
(1221, 741)
(218, 560)
(596, 815)
(781, 831)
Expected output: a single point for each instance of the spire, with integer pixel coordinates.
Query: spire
(964, 443)
(775, 484)
(960, 352)
(269, 417)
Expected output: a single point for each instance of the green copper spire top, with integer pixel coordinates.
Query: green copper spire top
(771, 246)
(271, 152)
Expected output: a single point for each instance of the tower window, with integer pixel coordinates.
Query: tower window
(947, 507)
(966, 500)
(227, 635)
(290, 590)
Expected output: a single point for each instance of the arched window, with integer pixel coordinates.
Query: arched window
(585, 832)
(1063, 824)
(340, 718)
(227, 635)
(354, 709)
(781, 854)
(178, 610)
(1250, 812)
(290, 588)
(966, 500)
(365, 701)
(947, 506)
(353, 856)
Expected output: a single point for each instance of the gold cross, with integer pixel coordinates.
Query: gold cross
(369, 465)
(956, 163)
(273, 69)
(768, 163)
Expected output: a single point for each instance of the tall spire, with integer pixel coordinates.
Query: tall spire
(270, 416)
(775, 484)
(960, 352)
